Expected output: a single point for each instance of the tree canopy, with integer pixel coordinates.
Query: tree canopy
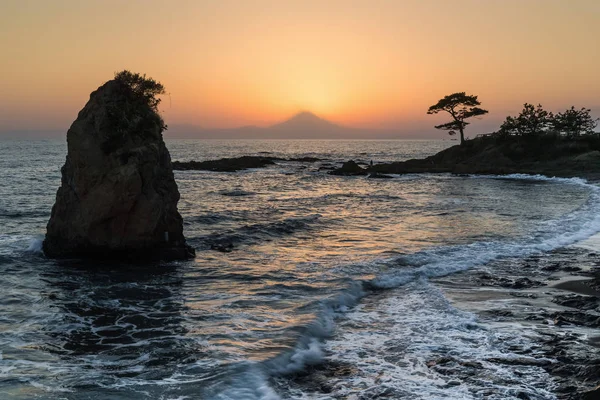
(460, 106)
(535, 121)
(145, 88)
(573, 122)
(138, 107)
(532, 121)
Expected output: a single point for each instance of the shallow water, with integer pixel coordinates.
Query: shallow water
(312, 254)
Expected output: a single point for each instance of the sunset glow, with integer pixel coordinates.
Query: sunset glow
(363, 64)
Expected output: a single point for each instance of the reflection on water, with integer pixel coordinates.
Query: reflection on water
(301, 243)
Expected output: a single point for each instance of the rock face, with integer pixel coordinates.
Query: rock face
(118, 196)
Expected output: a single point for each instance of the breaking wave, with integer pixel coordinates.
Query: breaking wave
(576, 226)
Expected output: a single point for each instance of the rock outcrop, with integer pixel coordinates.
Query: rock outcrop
(349, 168)
(236, 163)
(118, 196)
(551, 156)
(225, 164)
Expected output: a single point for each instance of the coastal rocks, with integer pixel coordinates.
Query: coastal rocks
(349, 168)
(378, 175)
(578, 301)
(305, 159)
(222, 246)
(225, 164)
(551, 156)
(564, 317)
(118, 196)
(320, 378)
(486, 279)
(593, 394)
(235, 164)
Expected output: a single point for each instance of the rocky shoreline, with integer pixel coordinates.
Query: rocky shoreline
(550, 156)
(555, 295)
(236, 163)
(552, 297)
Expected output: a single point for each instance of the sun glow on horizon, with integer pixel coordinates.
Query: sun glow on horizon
(233, 63)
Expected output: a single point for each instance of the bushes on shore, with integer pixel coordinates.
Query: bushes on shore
(535, 121)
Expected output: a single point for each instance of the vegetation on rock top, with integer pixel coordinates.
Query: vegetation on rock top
(133, 105)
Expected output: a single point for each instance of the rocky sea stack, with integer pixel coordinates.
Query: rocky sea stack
(118, 196)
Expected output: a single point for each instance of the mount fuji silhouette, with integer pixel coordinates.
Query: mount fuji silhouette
(304, 125)
(306, 121)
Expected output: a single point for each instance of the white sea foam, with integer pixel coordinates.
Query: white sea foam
(250, 385)
(569, 229)
(442, 327)
(397, 344)
(35, 246)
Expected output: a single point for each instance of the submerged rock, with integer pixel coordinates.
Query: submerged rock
(222, 246)
(118, 196)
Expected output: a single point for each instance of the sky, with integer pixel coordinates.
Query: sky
(371, 64)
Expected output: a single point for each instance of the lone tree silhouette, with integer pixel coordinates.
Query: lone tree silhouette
(460, 106)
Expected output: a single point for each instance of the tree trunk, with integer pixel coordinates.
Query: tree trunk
(462, 135)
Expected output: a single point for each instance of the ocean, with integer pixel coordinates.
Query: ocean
(322, 270)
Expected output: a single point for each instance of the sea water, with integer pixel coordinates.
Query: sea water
(322, 268)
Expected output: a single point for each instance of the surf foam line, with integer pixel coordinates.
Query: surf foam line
(566, 230)
(431, 263)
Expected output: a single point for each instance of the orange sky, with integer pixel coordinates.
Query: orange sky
(373, 64)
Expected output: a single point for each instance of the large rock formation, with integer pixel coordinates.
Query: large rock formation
(118, 196)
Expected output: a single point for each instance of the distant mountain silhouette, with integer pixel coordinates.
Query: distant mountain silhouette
(307, 123)
(304, 125)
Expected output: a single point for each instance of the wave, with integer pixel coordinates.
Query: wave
(236, 193)
(256, 233)
(440, 261)
(207, 219)
(23, 214)
(18, 245)
(35, 246)
(254, 378)
(308, 349)
(437, 262)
